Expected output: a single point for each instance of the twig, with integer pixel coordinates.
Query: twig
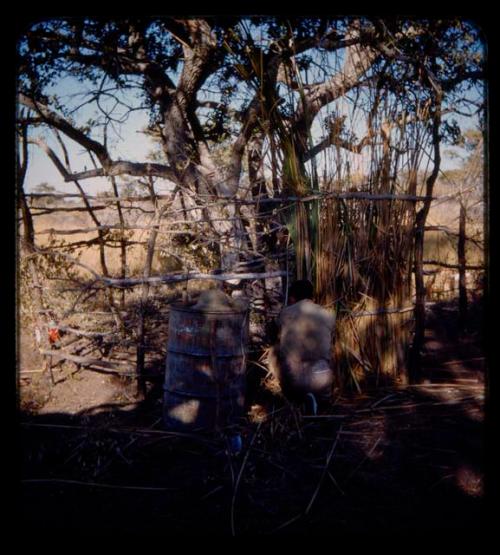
(125, 430)
(211, 492)
(335, 483)
(326, 416)
(367, 456)
(296, 420)
(380, 401)
(323, 474)
(85, 333)
(238, 478)
(447, 477)
(97, 363)
(288, 522)
(94, 484)
(424, 404)
(75, 451)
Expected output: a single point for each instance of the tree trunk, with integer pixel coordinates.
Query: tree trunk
(28, 244)
(418, 339)
(462, 286)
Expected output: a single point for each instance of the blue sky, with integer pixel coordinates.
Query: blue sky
(133, 145)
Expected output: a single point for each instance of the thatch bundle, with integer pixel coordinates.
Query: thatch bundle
(359, 251)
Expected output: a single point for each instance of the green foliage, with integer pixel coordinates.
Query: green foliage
(452, 132)
(89, 49)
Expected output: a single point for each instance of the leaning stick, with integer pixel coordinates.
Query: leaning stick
(93, 484)
(82, 360)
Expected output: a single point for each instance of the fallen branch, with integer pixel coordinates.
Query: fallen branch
(173, 278)
(84, 333)
(87, 361)
(94, 484)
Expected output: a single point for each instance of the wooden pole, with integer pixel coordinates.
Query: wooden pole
(123, 241)
(28, 242)
(418, 339)
(141, 325)
(462, 286)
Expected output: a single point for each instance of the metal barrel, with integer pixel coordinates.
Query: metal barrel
(205, 368)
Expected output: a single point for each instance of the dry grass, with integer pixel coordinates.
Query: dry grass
(89, 255)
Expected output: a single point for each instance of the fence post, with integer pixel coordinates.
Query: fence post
(418, 339)
(462, 285)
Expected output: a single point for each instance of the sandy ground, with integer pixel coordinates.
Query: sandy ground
(74, 392)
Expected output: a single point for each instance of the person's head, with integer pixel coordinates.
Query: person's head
(300, 290)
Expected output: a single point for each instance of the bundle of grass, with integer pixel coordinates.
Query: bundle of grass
(371, 346)
(363, 270)
(357, 248)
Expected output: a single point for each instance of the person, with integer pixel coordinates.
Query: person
(304, 348)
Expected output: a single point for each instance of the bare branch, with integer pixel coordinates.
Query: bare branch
(110, 167)
(335, 140)
(55, 120)
(121, 167)
(173, 278)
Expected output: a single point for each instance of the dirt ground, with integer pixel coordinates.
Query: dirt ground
(392, 460)
(72, 392)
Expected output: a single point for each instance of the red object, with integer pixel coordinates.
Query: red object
(54, 336)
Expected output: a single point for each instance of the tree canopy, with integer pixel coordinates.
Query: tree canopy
(264, 89)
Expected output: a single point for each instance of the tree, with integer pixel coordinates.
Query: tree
(283, 96)
(44, 188)
(176, 60)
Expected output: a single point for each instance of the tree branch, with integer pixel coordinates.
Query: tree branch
(109, 166)
(55, 120)
(335, 140)
(121, 167)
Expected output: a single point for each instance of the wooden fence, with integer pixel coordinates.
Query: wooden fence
(113, 318)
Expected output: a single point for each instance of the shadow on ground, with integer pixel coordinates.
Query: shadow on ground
(393, 460)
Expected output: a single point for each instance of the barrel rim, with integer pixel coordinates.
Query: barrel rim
(192, 310)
